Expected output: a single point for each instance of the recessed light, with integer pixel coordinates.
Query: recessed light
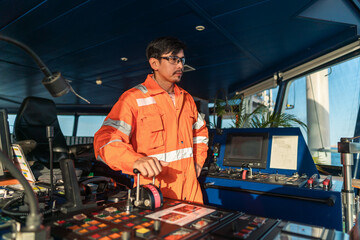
(200, 28)
(98, 81)
(124, 59)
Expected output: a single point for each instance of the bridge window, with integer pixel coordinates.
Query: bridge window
(234, 108)
(88, 125)
(328, 102)
(11, 120)
(66, 124)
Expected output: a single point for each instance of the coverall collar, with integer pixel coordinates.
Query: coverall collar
(154, 88)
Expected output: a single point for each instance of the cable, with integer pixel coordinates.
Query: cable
(33, 221)
(55, 83)
(9, 203)
(36, 58)
(354, 137)
(19, 213)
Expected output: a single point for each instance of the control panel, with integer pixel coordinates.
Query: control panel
(247, 174)
(270, 172)
(175, 220)
(180, 220)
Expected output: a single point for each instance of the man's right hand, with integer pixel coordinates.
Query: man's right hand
(149, 166)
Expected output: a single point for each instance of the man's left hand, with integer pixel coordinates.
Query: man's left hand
(198, 169)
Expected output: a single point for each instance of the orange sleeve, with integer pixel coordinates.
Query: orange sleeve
(112, 142)
(200, 138)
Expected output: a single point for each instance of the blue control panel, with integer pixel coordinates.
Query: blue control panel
(270, 172)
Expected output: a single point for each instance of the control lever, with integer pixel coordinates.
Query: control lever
(327, 183)
(147, 196)
(128, 207)
(312, 181)
(137, 199)
(244, 173)
(50, 137)
(251, 173)
(71, 187)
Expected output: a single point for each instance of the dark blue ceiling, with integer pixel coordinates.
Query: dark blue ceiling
(244, 42)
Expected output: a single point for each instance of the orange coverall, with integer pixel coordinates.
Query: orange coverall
(145, 122)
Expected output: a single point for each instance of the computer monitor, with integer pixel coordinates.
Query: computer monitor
(5, 142)
(246, 150)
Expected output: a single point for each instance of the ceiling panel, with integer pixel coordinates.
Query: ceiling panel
(244, 43)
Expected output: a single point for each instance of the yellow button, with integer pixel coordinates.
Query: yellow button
(142, 230)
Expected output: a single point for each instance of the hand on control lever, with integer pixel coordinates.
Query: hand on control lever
(149, 166)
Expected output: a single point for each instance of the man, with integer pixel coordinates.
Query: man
(156, 128)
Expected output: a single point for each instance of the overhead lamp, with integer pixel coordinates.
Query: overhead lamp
(55, 83)
(200, 28)
(98, 81)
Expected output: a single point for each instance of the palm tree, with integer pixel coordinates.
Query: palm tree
(261, 117)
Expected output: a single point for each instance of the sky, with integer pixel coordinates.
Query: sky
(344, 92)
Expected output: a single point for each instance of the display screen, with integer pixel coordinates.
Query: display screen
(246, 150)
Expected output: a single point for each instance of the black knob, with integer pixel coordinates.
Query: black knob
(136, 171)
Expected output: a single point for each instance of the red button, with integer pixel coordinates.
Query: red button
(326, 182)
(96, 236)
(93, 228)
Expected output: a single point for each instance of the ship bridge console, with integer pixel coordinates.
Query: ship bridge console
(270, 172)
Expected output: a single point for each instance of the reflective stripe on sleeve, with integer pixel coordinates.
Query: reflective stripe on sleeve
(145, 101)
(116, 140)
(174, 155)
(200, 139)
(119, 125)
(199, 123)
(141, 88)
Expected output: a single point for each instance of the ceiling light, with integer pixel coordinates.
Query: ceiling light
(200, 28)
(124, 59)
(98, 81)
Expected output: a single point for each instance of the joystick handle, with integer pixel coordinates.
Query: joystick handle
(136, 171)
(137, 200)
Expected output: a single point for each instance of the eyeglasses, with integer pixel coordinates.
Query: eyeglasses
(175, 59)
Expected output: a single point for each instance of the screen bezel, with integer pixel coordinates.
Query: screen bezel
(260, 162)
(5, 140)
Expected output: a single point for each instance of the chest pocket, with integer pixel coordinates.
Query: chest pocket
(188, 120)
(152, 130)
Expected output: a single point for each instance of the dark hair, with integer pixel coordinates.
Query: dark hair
(164, 45)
